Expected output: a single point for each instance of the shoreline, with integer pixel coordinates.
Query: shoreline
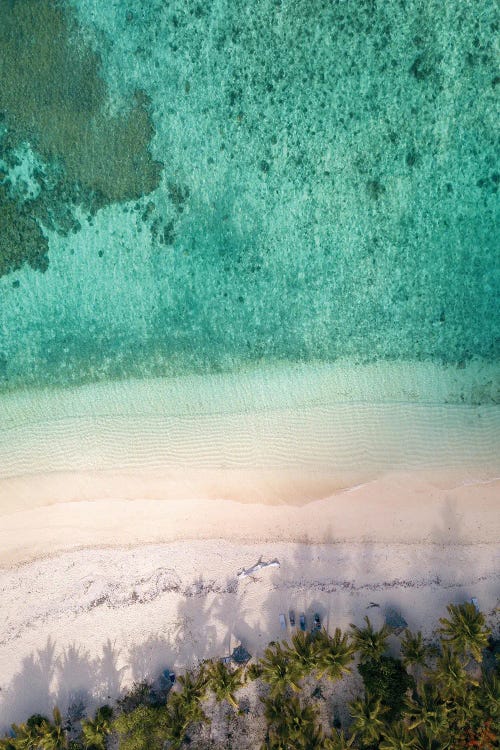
(347, 425)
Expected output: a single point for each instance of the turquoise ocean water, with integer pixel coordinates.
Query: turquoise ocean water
(202, 187)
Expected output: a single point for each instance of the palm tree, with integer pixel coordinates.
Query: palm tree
(54, 735)
(224, 682)
(274, 708)
(180, 713)
(450, 674)
(28, 735)
(303, 653)
(466, 630)
(95, 731)
(334, 654)
(397, 737)
(290, 724)
(425, 740)
(278, 670)
(370, 643)
(338, 741)
(277, 726)
(313, 739)
(24, 738)
(300, 718)
(367, 714)
(413, 649)
(184, 708)
(489, 695)
(426, 708)
(143, 728)
(194, 688)
(464, 712)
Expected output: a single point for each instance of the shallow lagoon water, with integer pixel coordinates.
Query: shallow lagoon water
(206, 188)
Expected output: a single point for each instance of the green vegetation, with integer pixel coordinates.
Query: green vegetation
(452, 701)
(96, 730)
(465, 630)
(414, 652)
(279, 670)
(144, 728)
(388, 679)
(224, 682)
(370, 643)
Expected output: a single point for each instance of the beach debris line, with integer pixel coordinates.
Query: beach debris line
(259, 565)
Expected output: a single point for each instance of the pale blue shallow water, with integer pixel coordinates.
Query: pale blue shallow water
(204, 187)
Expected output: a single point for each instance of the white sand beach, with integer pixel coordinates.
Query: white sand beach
(121, 538)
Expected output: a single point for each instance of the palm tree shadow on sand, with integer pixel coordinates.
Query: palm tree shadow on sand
(73, 681)
(148, 659)
(31, 689)
(194, 632)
